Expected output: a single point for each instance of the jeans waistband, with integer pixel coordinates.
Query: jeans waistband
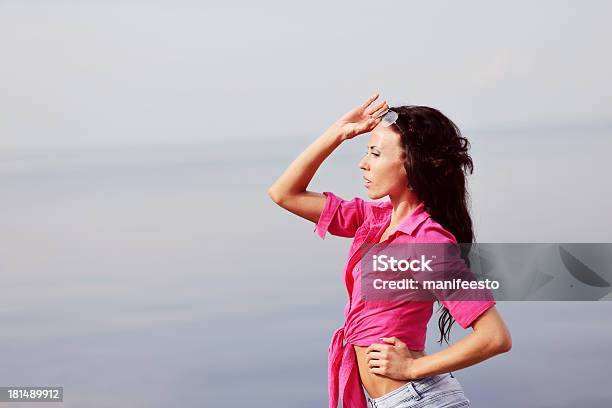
(412, 389)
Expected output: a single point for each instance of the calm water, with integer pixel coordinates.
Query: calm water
(164, 276)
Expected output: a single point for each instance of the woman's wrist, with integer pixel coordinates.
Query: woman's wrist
(334, 134)
(410, 371)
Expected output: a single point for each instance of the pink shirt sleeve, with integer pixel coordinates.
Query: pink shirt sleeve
(340, 217)
(463, 311)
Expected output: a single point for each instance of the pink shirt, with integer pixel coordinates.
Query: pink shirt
(365, 322)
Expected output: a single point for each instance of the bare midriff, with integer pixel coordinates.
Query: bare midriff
(378, 385)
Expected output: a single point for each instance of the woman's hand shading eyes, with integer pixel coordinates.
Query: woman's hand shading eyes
(361, 119)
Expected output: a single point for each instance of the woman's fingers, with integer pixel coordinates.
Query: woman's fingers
(375, 362)
(379, 113)
(369, 101)
(377, 347)
(357, 113)
(374, 355)
(363, 118)
(367, 125)
(378, 370)
(376, 108)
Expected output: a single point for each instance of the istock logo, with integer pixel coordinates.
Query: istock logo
(384, 263)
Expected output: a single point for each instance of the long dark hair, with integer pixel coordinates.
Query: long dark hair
(436, 160)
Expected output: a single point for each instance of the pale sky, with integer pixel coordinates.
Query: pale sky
(91, 74)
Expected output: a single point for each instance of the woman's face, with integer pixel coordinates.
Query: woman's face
(383, 165)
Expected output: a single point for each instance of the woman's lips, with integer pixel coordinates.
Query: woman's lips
(367, 182)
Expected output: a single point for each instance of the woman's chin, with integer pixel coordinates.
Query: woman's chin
(372, 195)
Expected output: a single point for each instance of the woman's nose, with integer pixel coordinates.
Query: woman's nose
(363, 163)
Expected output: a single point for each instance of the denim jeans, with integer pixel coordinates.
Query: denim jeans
(441, 390)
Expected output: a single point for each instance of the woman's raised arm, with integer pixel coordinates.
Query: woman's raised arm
(289, 190)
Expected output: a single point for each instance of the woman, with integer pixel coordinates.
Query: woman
(418, 158)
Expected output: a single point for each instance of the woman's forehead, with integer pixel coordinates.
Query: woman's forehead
(382, 137)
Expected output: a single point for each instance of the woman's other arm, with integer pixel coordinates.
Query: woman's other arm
(489, 338)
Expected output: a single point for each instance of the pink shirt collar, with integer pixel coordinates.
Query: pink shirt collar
(410, 224)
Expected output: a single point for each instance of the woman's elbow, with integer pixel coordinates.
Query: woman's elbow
(493, 332)
(502, 344)
(275, 195)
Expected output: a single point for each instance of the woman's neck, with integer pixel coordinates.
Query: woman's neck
(403, 206)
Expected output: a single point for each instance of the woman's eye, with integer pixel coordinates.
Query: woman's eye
(376, 154)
